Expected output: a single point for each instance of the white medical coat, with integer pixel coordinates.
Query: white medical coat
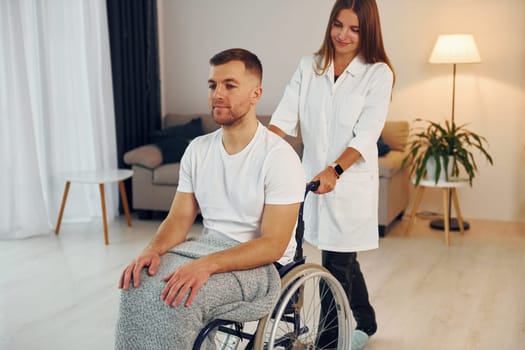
(333, 116)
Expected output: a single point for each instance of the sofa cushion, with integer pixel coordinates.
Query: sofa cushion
(186, 131)
(172, 149)
(167, 174)
(173, 140)
(382, 147)
(148, 156)
(395, 134)
(390, 163)
(208, 124)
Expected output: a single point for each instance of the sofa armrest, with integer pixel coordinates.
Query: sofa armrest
(395, 134)
(148, 156)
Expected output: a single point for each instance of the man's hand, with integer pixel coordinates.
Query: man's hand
(172, 231)
(147, 258)
(188, 278)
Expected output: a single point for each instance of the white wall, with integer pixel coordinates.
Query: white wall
(278, 31)
(489, 96)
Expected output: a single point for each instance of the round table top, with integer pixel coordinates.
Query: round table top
(97, 176)
(457, 182)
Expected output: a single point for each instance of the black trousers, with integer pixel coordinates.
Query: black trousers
(345, 267)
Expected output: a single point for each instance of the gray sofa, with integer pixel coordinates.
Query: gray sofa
(154, 184)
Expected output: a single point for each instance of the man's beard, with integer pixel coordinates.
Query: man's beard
(228, 119)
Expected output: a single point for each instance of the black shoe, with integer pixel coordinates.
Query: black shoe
(370, 330)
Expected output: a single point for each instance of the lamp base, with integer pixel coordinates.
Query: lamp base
(453, 224)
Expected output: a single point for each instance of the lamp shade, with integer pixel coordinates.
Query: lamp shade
(455, 48)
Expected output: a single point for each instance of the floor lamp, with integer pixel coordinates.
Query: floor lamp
(454, 49)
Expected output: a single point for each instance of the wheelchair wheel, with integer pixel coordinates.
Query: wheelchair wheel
(225, 341)
(312, 313)
(224, 334)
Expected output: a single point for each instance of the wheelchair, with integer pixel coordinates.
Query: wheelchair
(312, 303)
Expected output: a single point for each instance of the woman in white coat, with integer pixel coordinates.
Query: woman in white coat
(339, 99)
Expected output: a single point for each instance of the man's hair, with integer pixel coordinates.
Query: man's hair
(250, 60)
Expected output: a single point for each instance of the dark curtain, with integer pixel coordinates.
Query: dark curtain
(135, 70)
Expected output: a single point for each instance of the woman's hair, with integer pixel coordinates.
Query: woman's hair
(370, 39)
(250, 60)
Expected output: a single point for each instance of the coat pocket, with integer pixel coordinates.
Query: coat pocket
(354, 198)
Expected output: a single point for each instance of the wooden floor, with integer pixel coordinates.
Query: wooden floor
(61, 293)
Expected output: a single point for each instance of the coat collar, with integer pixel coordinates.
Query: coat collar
(356, 67)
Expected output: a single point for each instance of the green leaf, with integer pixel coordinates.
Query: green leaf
(429, 139)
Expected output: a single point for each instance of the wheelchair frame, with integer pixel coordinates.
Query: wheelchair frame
(295, 276)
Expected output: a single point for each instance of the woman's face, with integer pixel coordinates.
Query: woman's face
(345, 33)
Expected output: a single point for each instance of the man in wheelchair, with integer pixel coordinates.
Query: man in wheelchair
(247, 183)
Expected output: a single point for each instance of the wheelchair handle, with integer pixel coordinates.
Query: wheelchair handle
(299, 230)
(312, 186)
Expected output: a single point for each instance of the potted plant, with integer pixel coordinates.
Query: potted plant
(449, 147)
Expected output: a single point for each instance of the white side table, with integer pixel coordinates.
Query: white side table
(448, 187)
(97, 177)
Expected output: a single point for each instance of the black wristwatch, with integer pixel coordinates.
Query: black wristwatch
(337, 169)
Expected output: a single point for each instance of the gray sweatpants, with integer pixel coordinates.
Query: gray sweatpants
(146, 323)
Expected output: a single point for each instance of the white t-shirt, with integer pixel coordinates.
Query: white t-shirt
(231, 190)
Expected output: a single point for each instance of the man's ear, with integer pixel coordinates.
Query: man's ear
(257, 93)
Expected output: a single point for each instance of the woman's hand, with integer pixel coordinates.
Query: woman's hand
(328, 178)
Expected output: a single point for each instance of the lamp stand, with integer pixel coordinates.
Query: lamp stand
(453, 90)
(453, 223)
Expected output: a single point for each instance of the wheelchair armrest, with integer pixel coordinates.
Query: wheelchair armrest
(284, 270)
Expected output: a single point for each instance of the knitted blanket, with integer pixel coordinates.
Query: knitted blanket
(146, 323)
(257, 298)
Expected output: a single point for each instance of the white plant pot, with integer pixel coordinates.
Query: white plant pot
(432, 169)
